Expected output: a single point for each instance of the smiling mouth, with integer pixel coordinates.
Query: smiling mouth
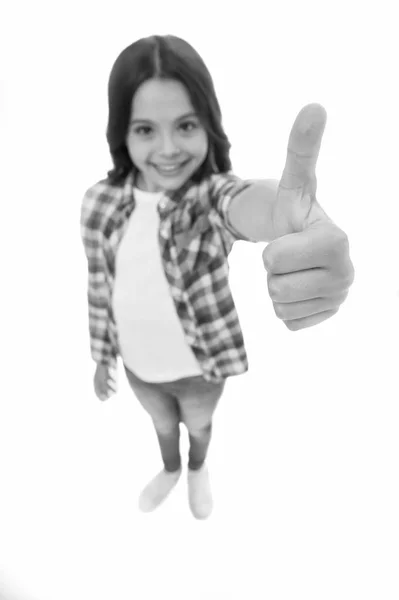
(170, 169)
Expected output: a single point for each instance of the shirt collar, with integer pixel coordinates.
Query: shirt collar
(170, 201)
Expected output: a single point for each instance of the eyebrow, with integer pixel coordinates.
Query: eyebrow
(190, 114)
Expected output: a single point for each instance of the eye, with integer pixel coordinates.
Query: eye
(144, 130)
(138, 129)
(191, 124)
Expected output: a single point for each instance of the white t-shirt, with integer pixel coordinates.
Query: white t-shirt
(151, 337)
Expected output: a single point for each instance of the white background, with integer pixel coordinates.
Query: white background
(304, 458)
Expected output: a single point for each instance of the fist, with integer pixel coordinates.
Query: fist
(309, 270)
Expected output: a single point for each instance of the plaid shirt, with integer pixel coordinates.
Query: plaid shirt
(195, 239)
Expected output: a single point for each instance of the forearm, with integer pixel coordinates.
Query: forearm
(250, 212)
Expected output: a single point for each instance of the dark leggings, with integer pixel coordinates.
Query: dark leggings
(192, 401)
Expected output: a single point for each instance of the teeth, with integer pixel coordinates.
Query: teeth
(169, 168)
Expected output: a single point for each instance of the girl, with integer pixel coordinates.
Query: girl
(157, 234)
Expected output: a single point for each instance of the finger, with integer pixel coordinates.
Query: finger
(298, 324)
(318, 246)
(302, 285)
(306, 308)
(303, 148)
(101, 392)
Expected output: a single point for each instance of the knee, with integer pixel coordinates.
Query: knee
(199, 430)
(167, 427)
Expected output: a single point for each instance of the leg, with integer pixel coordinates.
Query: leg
(164, 411)
(165, 414)
(197, 404)
(199, 444)
(198, 401)
(169, 444)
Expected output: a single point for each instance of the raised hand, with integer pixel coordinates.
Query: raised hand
(308, 264)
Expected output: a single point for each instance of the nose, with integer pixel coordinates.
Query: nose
(169, 148)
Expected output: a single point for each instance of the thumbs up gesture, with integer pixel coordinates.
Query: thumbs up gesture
(309, 270)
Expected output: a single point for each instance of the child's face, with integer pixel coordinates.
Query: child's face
(164, 130)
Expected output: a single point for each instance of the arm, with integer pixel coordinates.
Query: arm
(102, 350)
(250, 211)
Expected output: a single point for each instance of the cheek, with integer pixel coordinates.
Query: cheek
(136, 151)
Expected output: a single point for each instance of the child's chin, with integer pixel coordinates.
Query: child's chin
(174, 184)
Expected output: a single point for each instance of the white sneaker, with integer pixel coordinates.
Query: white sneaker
(158, 490)
(199, 492)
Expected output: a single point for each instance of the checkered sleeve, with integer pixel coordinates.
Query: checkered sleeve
(102, 350)
(224, 188)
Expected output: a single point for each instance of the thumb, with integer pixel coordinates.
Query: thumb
(304, 147)
(296, 206)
